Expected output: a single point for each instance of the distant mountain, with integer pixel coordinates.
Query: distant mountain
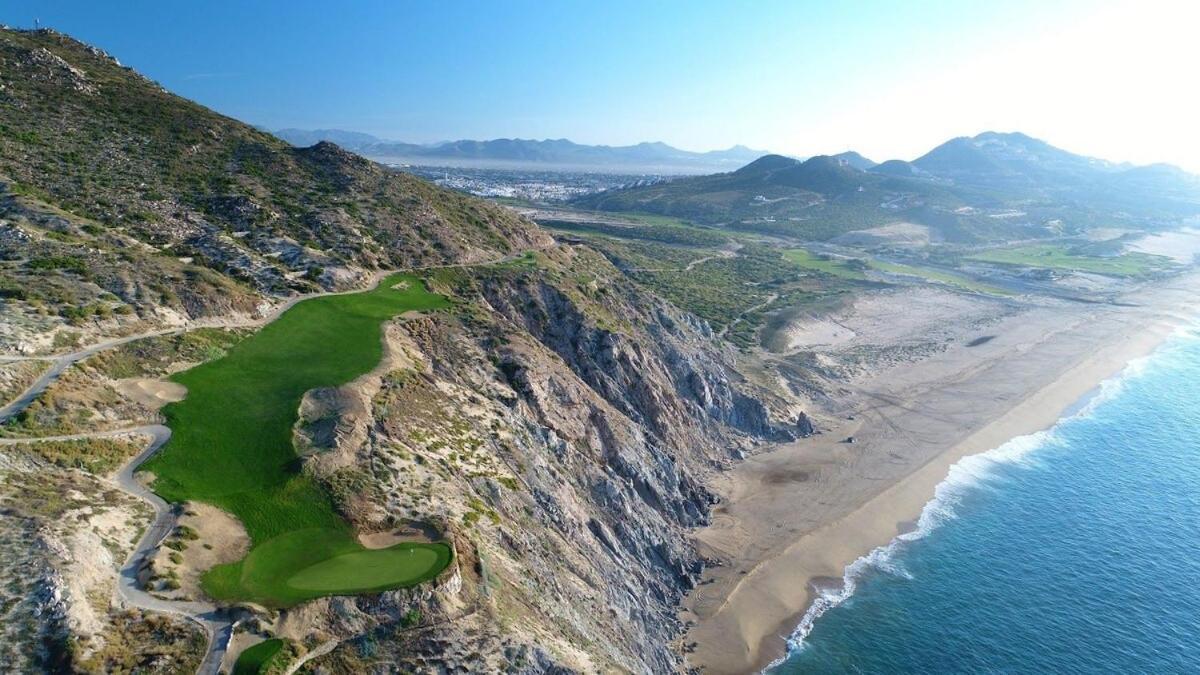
(521, 153)
(825, 193)
(855, 160)
(303, 138)
(991, 186)
(899, 167)
(1026, 167)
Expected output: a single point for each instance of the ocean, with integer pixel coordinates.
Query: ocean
(1073, 550)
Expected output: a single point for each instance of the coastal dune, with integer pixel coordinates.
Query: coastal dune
(793, 518)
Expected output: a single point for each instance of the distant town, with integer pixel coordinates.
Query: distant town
(526, 185)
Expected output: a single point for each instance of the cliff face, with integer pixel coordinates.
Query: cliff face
(562, 449)
(556, 425)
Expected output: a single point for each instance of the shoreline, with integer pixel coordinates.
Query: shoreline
(1068, 395)
(744, 614)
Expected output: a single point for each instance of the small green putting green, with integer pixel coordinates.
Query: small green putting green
(255, 659)
(231, 446)
(370, 569)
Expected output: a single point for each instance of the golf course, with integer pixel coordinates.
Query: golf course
(256, 659)
(231, 446)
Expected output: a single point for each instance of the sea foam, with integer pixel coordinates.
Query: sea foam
(969, 473)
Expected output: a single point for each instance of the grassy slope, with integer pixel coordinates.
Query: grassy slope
(232, 438)
(837, 268)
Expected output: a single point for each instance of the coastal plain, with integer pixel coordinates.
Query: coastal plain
(791, 519)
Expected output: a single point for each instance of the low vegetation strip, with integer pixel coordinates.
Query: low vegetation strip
(231, 446)
(845, 268)
(1051, 256)
(939, 276)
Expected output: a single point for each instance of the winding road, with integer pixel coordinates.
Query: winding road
(59, 364)
(216, 622)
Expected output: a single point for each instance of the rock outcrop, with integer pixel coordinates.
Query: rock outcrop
(563, 451)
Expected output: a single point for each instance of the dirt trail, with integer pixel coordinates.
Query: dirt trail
(770, 298)
(216, 623)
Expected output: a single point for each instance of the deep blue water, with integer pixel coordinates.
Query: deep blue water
(1075, 550)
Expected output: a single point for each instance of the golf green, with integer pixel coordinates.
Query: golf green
(256, 658)
(371, 569)
(231, 446)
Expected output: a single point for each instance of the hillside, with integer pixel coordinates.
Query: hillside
(84, 135)
(542, 417)
(1021, 167)
(988, 188)
(516, 152)
(818, 198)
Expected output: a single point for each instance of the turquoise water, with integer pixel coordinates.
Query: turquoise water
(1075, 550)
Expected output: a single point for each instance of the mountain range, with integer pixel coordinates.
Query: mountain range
(560, 154)
(990, 186)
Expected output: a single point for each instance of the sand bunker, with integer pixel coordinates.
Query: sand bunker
(410, 532)
(150, 392)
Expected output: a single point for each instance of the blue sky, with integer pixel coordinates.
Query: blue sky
(889, 79)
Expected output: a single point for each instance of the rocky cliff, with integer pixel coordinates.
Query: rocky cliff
(556, 425)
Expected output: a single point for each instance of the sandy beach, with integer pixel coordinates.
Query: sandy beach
(795, 516)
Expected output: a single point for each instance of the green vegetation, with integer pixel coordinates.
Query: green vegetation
(939, 276)
(96, 455)
(153, 356)
(1058, 257)
(847, 269)
(75, 265)
(257, 659)
(721, 289)
(371, 570)
(653, 219)
(636, 254)
(232, 447)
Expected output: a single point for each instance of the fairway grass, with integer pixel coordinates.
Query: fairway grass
(255, 659)
(231, 446)
(938, 276)
(833, 266)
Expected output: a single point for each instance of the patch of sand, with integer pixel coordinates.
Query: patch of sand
(908, 235)
(809, 331)
(222, 539)
(918, 315)
(150, 392)
(410, 532)
(1182, 246)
